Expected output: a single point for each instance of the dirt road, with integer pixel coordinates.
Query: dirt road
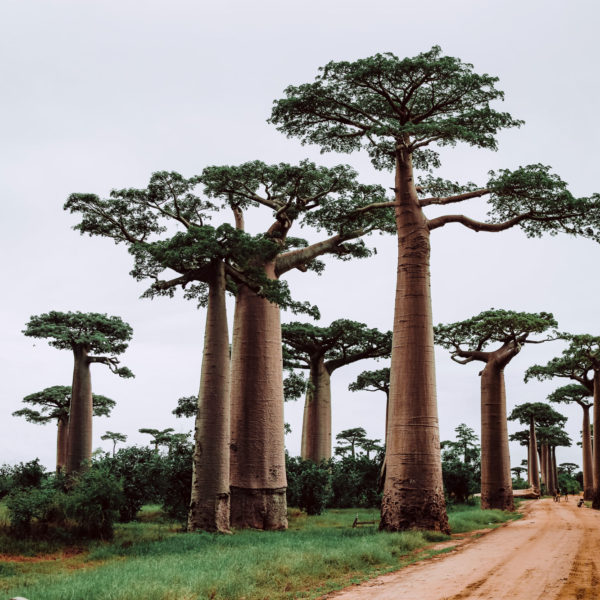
(553, 553)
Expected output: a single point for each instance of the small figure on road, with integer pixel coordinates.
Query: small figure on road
(580, 503)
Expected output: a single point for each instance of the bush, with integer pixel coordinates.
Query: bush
(27, 506)
(177, 480)
(309, 485)
(355, 482)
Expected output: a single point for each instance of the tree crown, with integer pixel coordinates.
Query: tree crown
(372, 381)
(543, 414)
(573, 392)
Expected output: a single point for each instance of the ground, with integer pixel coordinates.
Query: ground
(553, 553)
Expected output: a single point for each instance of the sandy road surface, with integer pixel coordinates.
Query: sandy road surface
(553, 553)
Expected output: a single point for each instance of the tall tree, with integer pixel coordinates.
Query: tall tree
(114, 437)
(353, 438)
(82, 333)
(53, 404)
(396, 110)
(506, 331)
(208, 260)
(374, 381)
(581, 357)
(533, 473)
(518, 470)
(160, 437)
(550, 438)
(323, 350)
(580, 394)
(536, 415)
(327, 199)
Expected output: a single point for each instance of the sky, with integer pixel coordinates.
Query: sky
(99, 95)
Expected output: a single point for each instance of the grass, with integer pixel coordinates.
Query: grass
(149, 560)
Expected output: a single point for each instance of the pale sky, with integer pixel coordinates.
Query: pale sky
(98, 95)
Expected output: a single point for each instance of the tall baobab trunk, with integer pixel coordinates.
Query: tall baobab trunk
(545, 470)
(258, 479)
(554, 468)
(61, 444)
(209, 504)
(534, 472)
(596, 451)
(79, 436)
(413, 495)
(496, 482)
(316, 427)
(586, 446)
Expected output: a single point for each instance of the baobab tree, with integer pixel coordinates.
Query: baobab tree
(536, 415)
(210, 260)
(353, 438)
(83, 333)
(114, 437)
(580, 394)
(518, 470)
(533, 473)
(550, 437)
(323, 350)
(469, 341)
(577, 361)
(307, 195)
(397, 110)
(377, 380)
(53, 404)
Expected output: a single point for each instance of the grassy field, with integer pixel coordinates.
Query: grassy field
(149, 559)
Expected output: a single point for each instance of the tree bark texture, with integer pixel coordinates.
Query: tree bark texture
(316, 426)
(534, 472)
(554, 468)
(596, 452)
(258, 479)
(209, 504)
(413, 495)
(79, 436)
(586, 447)
(545, 470)
(496, 482)
(61, 444)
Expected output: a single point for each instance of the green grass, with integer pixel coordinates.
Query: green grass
(149, 560)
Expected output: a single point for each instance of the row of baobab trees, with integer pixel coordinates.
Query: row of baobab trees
(398, 111)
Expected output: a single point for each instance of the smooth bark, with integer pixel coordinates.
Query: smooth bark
(61, 444)
(316, 426)
(210, 499)
(79, 436)
(413, 495)
(496, 482)
(586, 447)
(534, 472)
(596, 453)
(258, 478)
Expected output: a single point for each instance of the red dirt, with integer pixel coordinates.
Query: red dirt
(553, 553)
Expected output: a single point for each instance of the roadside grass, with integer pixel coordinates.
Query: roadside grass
(149, 560)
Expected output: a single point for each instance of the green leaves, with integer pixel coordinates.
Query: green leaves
(542, 414)
(95, 331)
(380, 103)
(494, 325)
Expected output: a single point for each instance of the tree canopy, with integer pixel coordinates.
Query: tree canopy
(573, 392)
(543, 415)
(187, 406)
(372, 381)
(54, 403)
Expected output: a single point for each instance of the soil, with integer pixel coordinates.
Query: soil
(552, 552)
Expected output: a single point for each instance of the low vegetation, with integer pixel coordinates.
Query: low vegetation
(150, 559)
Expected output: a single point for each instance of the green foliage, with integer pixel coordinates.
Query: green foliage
(461, 465)
(569, 484)
(309, 485)
(294, 385)
(543, 415)
(573, 392)
(187, 406)
(372, 381)
(355, 481)
(492, 326)
(28, 505)
(21, 476)
(95, 331)
(378, 102)
(177, 480)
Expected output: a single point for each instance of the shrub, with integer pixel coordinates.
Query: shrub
(177, 480)
(27, 506)
(309, 484)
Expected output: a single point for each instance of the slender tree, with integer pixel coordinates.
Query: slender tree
(323, 350)
(160, 437)
(550, 438)
(208, 260)
(308, 195)
(53, 404)
(536, 415)
(470, 340)
(518, 470)
(577, 361)
(114, 437)
(533, 474)
(374, 381)
(568, 468)
(83, 333)
(353, 438)
(580, 394)
(396, 110)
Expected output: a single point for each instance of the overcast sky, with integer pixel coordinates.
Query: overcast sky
(98, 95)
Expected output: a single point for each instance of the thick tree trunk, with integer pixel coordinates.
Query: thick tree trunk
(534, 478)
(596, 452)
(413, 496)
(316, 427)
(554, 468)
(209, 504)
(545, 470)
(258, 479)
(586, 446)
(61, 444)
(496, 482)
(79, 436)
